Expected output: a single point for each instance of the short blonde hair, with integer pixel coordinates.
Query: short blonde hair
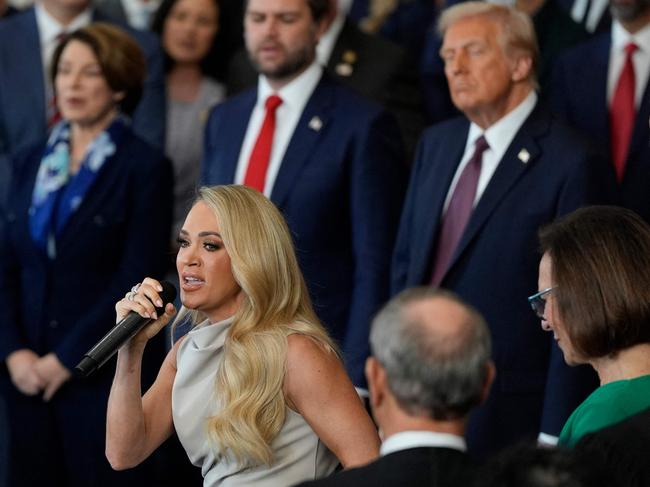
(517, 33)
(276, 304)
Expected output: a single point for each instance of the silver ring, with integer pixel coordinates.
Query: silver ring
(135, 288)
(130, 295)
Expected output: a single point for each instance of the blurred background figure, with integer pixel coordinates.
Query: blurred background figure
(6, 9)
(187, 29)
(430, 366)
(88, 216)
(594, 281)
(624, 448)
(602, 88)
(528, 465)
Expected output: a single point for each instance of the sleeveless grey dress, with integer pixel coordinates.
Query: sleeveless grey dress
(299, 454)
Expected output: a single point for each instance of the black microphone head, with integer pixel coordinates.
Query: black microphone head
(167, 295)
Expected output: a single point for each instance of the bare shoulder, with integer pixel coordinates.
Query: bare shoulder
(304, 350)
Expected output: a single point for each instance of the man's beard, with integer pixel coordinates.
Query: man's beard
(294, 64)
(629, 12)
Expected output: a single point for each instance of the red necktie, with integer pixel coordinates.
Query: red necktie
(458, 212)
(622, 113)
(259, 160)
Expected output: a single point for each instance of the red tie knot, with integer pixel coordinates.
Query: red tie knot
(630, 48)
(273, 102)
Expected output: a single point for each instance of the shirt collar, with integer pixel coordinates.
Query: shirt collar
(500, 134)
(49, 28)
(405, 440)
(621, 37)
(296, 92)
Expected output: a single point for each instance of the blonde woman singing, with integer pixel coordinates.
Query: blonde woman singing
(256, 391)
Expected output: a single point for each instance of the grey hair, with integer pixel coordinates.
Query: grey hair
(442, 376)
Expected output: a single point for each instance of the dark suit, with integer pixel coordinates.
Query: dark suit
(495, 264)
(340, 188)
(624, 448)
(115, 238)
(22, 91)
(372, 66)
(579, 95)
(432, 467)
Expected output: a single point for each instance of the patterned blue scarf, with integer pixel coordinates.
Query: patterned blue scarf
(57, 194)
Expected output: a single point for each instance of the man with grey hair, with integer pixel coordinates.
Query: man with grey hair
(480, 188)
(430, 366)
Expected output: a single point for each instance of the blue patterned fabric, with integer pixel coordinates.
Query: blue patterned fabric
(57, 194)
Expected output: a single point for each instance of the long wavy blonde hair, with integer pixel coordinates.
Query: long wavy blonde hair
(276, 304)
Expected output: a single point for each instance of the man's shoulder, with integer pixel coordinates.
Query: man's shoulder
(446, 131)
(14, 26)
(442, 467)
(582, 53)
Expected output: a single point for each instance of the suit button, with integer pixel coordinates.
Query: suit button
(54, 324)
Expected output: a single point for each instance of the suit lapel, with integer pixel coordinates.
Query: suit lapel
(311, 127)
(509, 171)
(596, 89)
(640, 136)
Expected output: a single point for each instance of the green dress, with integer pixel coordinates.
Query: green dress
(607, 405)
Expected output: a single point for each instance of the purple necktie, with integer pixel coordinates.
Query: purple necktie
(458, 212)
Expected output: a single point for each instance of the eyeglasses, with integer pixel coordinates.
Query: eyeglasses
(538, 303)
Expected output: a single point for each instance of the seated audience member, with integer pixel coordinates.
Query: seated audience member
(87, 216)
(187, 29)
(624, 448)
(528, 465)
(256, 391)
(430, 366)
(594, 281)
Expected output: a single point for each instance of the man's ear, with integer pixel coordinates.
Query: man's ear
(119, 96)
(376, 376)
(489, 380)
(522, 67)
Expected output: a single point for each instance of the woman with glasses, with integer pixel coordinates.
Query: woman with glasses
(594, 278)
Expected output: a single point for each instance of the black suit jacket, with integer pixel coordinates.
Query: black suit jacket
(372, 66)
(431, 467)
(623, 448)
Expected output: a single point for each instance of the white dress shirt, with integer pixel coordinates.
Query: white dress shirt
(640, 60)
(596, 10)
(49, 32)
(139, 13)
(294, 98)
(405, 440)
(498, 136)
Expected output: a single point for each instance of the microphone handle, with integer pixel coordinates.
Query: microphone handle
(112, 341)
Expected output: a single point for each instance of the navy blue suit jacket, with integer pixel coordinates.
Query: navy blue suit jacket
(579, 95)
(22, 91)
(340, 188)
(117, 236)
(495, 265)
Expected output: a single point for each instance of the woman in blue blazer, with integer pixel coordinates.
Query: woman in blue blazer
(89, 214)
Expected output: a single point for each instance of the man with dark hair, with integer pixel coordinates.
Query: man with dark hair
(481, 186)
(602, 88)
(329, 159)
(372, 66)
(430, 366)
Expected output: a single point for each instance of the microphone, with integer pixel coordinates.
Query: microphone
(120, 333)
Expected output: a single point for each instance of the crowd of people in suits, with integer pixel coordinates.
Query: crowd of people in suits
(113, 114)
